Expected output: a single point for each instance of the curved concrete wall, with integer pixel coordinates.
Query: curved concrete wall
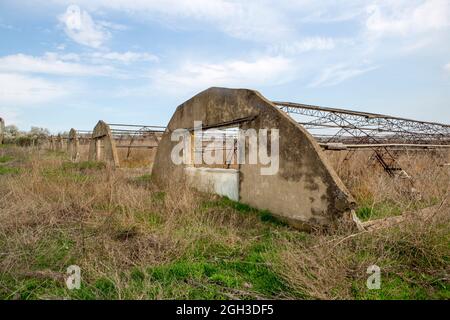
(2, 130)
(73, 145)
(103, 146)
(306, 192)
(59, 143)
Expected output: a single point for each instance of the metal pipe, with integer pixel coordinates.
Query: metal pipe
(134, 125)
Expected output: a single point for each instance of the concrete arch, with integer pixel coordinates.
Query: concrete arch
(52, 143)
(59, 143)
(2, 130)
(103, 146)
(306, 192)
(73, 145)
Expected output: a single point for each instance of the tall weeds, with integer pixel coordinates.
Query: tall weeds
(133, 239)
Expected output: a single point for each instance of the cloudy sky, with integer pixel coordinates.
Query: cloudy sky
(68, 64)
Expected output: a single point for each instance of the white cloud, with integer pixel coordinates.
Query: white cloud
(18, 90)
(324, 11)
(64, 57)
(81, 28)
(124, 57)
(306, 45)
(447, 67)
(113, 26)
(254, 20)
(269, 21)
(235, 73)
(406, 18)
(337, 74)
(9, 115)
(6, 26)
(51, 63)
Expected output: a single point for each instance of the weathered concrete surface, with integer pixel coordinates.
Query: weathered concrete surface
(59, 143)
(2, 130)
(52, 143)
(224, 182)
(103, 146)
(137, 149)
(73, 145)
(306, 192)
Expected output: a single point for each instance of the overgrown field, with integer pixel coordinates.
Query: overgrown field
(134, 240)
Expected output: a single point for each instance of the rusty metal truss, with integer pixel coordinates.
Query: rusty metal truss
(370, 130)
(334, 129)
(127, 135)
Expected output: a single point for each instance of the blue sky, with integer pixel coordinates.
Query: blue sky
(68, 64)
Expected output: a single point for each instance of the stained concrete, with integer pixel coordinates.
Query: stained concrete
(73, 145)
(306, 192)
(59, 143)
(224, 182)
(137, 148)
(103, 146)
(2, 130)
(52, 143)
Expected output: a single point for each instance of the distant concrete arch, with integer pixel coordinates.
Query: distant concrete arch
(73, 145)
(52, 143)
(103, 146)
(306, 192)
(59, 142)
(2, 130)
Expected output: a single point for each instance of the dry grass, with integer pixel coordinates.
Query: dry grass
(135, 240)
(413, 257)
(128, 157)
(379, 195)
(136, 157)
(55, 214)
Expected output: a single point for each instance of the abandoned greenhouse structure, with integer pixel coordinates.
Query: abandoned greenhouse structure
(304, 192)
(288, 173)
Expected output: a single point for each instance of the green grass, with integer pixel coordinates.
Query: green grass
(6, 158)
(145, 178)
(59, 175)
(150, 218)
(76, 172)
(248, 273)
(225, 202)
(9, 170)
(56, 154)
(83, 166)
(27, 288)
(369, 211)
(232, 250)
(213, 270)
(395, 287)
(208, 270)
(158, 196)
(408, 270)
(380, 210)
(54, 252)
(246, 277)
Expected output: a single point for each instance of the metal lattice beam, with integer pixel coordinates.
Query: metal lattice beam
(370, 129)
(376, 126)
